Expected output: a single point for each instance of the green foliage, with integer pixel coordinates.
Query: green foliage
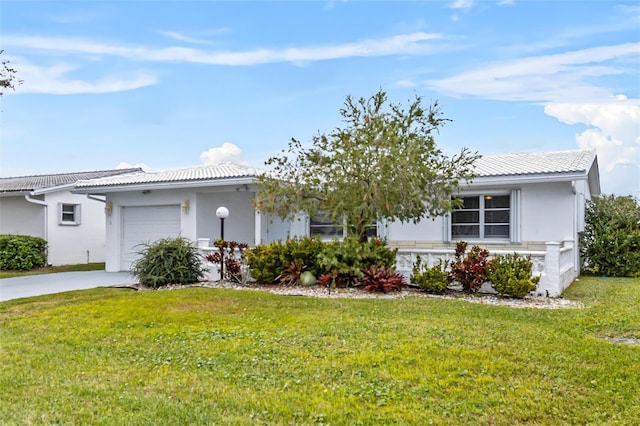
(610, 243)
(291, 275)
(413, 179)
(432, 279)
(347, 260)
(168, 261)
(511, 275)
(380, 279)
(469, 270)
(22, 252)
(341, 263)
(268, 261)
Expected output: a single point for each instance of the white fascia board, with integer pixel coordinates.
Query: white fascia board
(14, 193)
(524, 179)
(163, 185)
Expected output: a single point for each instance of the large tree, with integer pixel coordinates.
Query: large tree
(8, 78)
(383, 164)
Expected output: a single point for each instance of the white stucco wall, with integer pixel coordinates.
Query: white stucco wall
(73, 244)
(239, 226)
(547, 213)
(19, 217)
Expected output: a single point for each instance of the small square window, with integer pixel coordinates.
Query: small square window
(69, 214)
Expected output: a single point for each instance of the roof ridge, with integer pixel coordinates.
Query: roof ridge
(564, 151)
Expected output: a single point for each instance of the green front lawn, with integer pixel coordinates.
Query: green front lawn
(210, 356)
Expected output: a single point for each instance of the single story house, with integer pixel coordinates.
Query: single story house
(530, 203)
(144, 207)
(43, 206)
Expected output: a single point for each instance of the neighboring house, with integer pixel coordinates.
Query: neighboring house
(43, 206)
(145, 207)
(530, 203)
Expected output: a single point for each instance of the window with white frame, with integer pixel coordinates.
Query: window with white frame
(485, 216)
(69, 214)
(320, 225)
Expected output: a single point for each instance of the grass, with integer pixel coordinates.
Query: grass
(54, 269)
(210, 356)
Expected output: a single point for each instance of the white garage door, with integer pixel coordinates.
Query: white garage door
(145, 225)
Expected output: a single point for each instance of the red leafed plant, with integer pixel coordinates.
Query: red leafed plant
(471, 270)
(291, 275)
(337, 280)
(233, 254)
(382, 280)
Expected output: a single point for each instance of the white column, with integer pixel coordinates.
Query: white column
(550, 284)
(258, 228)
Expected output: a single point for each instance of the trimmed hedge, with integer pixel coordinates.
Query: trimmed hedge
(22, 252)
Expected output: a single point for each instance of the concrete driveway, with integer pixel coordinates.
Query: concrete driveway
(36, 285)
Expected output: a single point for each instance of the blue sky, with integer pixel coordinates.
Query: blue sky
(177, 84)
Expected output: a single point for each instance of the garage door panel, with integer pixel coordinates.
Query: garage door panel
(143, 225)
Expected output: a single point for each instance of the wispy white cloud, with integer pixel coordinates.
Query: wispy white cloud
(182, 37)
(412, 43)
(558, 77)
(225, 153)
(462, 4)
(54, 79)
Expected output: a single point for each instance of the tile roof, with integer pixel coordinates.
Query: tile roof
(40, 182)
(193, 174)
(557, 162)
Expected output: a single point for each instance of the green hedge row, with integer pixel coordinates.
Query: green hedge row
(22, 252)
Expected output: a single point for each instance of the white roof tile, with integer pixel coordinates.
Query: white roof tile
(43, 182)
(535, 163)
(558, 162)
(202, 173)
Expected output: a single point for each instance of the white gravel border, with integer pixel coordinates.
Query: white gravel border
(317, 291)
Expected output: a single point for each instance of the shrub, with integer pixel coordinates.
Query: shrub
(168, 261)
(291, 275)
(433, 279)
(610, 243)
(265, 261)
(348, 259)
(470, 270)
(511, 275)
(234, 256)
(269, 261)
(380, 279)
(22, 252)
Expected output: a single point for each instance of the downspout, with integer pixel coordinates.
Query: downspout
(576, 243)
(46, 214)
